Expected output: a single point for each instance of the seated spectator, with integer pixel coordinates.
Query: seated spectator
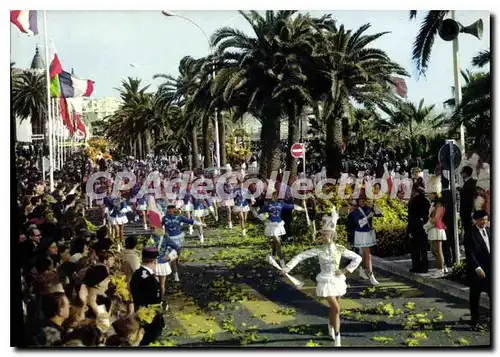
(107, 259)
(79, 248)
(96, 282)
(128, 332)
(130, 257)
(77, 313)
(55, 308)
(86, 334)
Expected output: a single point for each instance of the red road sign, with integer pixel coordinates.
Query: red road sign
(298, 150)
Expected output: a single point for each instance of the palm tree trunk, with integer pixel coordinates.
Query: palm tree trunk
(293, 137)
(222, 139)
(139, 146)
(334, 143)
(188, 156)
(270, 137)
(194, 143)
(207, 160)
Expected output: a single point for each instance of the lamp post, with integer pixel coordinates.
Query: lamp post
(211, 51)
(449, 31)
(458, 87)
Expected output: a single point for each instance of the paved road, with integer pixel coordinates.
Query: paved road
(229, 296)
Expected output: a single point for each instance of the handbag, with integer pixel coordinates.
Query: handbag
(372, 232)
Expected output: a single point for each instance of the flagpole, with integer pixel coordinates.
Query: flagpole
(56, 138)
(61, 148)
(53, 133)
(55, 123)
(49, 109)
(60, 144)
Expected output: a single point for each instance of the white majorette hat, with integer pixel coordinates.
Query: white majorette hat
(434, 184)
(329, 223)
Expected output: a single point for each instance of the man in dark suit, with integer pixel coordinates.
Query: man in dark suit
(449, 244)
(418, 214)
(467, 194)
(145, 289)
(478, 257)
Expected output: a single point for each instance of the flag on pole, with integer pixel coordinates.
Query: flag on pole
(63, 85)
(153, 213)
(55, 70)
(80, 126)
(73, 87)
(399, 87)
(25, 20)
(76, 106)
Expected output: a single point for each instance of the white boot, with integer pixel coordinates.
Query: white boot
(190, 230)
(373, 281)
(331, 331)
(337, 340)
(230, 225)
(362, 274)
(244, 232)
(176, 276)
(201, 238)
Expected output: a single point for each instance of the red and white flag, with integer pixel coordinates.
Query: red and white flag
(399, 87)
(153, 213)
(25, 20)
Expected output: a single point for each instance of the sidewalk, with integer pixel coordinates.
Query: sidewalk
(401, 266)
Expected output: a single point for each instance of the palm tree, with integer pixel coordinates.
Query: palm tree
(482, 59)
(347, 71)
(266, 71)
(133, 119)
(178, 91)
(474, 111)
(29, 100)
(422, 46)
(410, 123)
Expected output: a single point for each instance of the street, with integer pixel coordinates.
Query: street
(229, 296)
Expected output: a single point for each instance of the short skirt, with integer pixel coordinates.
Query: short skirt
(436, 234)
(188, 207)
(200, 213)
(336, 286)
(120, 220)
(179, 204)
(227, 203)
(364, 239)
(241, 209)
(275, 229)
(163, 269)
(178, 239)
(142, 207)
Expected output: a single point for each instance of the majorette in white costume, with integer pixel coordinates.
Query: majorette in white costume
(331, 279)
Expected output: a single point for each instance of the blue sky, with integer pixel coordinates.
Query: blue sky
(101, 45)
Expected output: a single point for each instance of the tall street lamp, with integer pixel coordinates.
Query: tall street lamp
(449, 31)
(211, 50)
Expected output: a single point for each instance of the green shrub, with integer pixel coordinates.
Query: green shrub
(390, 229)
(459, 273)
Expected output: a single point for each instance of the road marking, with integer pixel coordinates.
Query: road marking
(192, 319)
(266, 312)
(264, 309)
